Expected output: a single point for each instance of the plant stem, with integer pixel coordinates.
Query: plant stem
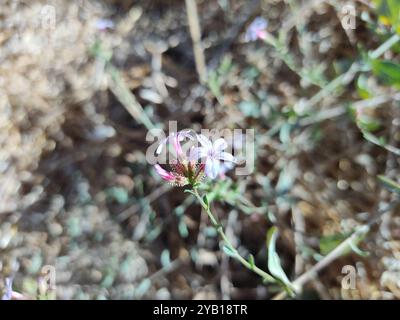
(194, 28)
(327, 260)
(385, 46)
(266, 277)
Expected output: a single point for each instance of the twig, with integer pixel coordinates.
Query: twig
(327, 260)
(335, 253)
(127, 99)
(195, 33)
(340, 110)
(299, 226)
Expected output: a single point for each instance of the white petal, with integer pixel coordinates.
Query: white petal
(204, 141)
(226, 157)
(220, 144)
(212, 168)
(185, 134)
(197, 153)
(161, 146)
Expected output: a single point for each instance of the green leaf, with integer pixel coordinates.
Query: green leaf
(118, 194)
(251, 261)
(387, 71)
(285, 181)
(182, 228)
(225, 66)
(389, 184)
(250, 108)
(389, 12)
(357, 250)
(362, 87)
(142, 288)
(330, 242)
(205, 200)
(274, 263)
(165, 258)
(214, 84)
(284, 133)
(99, 52)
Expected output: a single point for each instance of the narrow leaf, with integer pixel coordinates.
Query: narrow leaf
(389, 184)
(274, 263)
(251, 261)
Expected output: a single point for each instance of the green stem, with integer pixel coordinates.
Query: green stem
(385, 46)
(266, 277)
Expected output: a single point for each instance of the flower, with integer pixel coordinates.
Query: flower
(190, 167)
(256, 30)
(164, 173)
(213, 153)
(104, 24)
(8, 289)
(181, 171)
(176, 138)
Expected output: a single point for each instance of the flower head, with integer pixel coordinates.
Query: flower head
(181, 171)
(256, 30)
(189, 167)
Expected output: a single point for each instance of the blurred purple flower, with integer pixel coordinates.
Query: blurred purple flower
(104, 24)
(256, 30)
(8, 294)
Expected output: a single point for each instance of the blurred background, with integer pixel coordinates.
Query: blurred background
(82, 81)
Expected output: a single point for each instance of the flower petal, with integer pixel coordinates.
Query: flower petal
(197, 153)
(204, 141)
(188, 134)
(220, 144)
(161, 146)
(226, 157)
(177, 145)
(212, 168)
(8, 292)
(163, 173)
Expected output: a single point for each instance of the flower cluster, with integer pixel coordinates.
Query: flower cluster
(206, 158)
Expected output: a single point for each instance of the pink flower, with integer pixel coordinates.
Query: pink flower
(181, 170)
(164, 173)
(176, 138)
(209, 159)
